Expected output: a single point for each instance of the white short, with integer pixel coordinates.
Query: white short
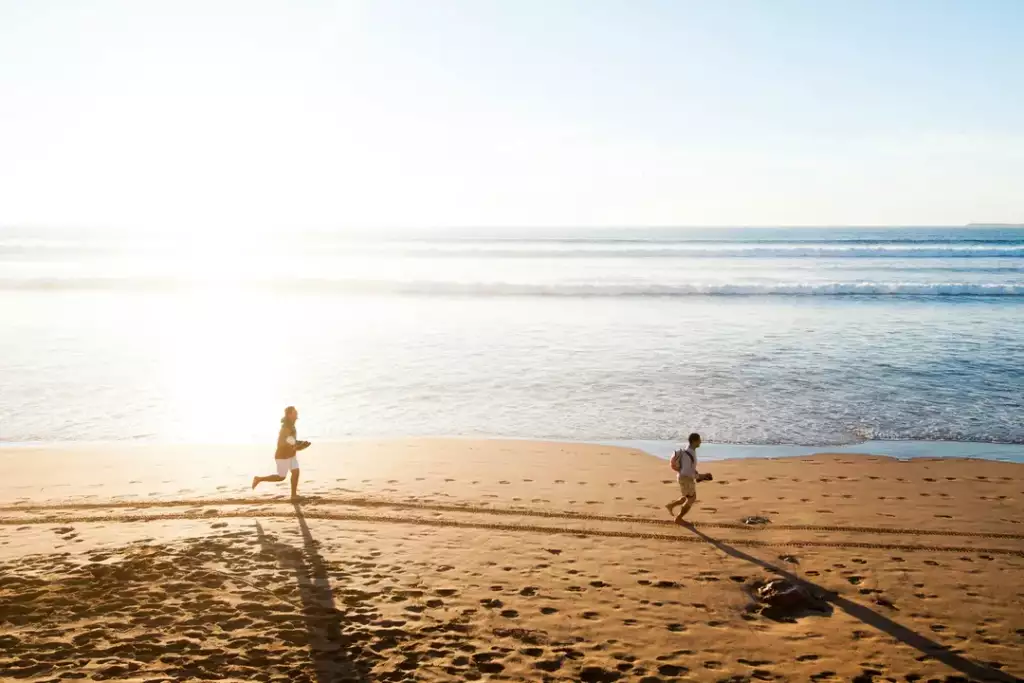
(286, 464)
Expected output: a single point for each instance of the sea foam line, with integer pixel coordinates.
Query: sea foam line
(593, 289)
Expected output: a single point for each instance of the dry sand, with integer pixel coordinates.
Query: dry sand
(505, 560)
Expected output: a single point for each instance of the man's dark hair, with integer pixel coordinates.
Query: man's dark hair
(694, 438)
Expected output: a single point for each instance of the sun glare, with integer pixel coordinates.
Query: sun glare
(221, 372)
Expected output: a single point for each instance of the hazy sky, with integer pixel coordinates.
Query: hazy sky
(521, 112)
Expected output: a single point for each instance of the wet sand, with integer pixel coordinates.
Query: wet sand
(505, 560)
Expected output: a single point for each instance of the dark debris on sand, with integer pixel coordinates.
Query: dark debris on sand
(784, 600)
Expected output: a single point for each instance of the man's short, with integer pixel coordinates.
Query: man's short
(284, 465)
(688, 487)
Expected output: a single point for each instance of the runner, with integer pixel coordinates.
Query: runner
(684, 462)
(287, 446)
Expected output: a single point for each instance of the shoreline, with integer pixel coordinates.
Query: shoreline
(534, 560)
(661, 448)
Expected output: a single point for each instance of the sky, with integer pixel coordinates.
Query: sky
(236, 116)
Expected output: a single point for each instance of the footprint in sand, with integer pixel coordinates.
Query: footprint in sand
(549, 665)
(672, 670)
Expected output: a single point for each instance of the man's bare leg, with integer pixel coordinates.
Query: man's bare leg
(295, 483)
(686, 508)
(674, 504)
(271, 477)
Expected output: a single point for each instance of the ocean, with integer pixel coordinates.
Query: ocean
(753, 337)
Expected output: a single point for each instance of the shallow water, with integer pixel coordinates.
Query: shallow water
(902, 450)
(820, 338)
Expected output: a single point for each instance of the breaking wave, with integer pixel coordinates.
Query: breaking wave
(595, 289)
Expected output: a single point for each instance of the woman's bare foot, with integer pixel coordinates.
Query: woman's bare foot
(670, 507)
(255, 480)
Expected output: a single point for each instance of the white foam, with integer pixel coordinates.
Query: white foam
(595, 289)
(698, 250)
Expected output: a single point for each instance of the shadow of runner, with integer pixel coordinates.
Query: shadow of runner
(336, 656)
(872, 618)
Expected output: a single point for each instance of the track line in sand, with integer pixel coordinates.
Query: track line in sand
(494, 526)
(508, 512)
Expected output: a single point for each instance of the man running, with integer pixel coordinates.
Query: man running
(287, 446)
(684, 462)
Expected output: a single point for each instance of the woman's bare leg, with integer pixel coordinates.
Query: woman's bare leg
(270, 477)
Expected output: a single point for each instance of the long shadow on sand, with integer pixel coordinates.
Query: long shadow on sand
(870, 617)
(336, 656)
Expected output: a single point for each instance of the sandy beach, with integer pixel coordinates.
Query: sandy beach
(457, 560)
